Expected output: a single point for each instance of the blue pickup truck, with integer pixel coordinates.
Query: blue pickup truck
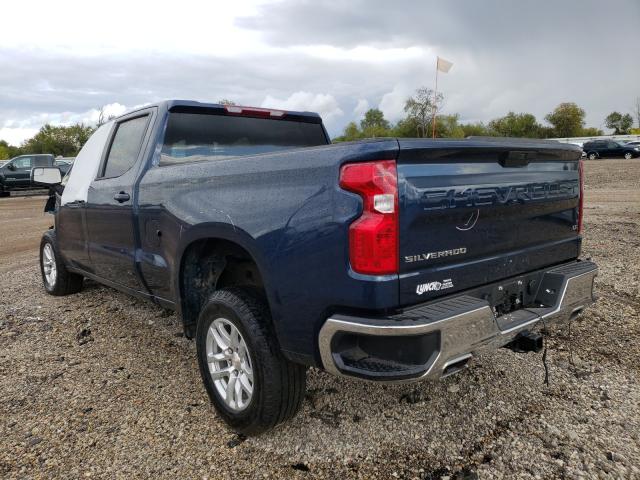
(390, 260)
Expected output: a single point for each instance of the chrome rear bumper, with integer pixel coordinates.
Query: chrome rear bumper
(447, 332)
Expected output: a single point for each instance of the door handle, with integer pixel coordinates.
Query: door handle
(121, 197)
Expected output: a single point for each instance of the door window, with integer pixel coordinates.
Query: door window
(612, 145)
(40, 162)
(22, 163)
(125, 146)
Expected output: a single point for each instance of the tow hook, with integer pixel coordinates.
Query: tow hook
(526, 342)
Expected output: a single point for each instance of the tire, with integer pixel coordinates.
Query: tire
(628, 155)
(592, 155)
(277, 385)
(57, 280)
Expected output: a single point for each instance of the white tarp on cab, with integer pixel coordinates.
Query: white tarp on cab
(85, 166)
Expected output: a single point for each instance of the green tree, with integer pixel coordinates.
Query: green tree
(65, 141)
(477, 129)
(4, 150)
(374, 124)
(448, 126)
(420, 108)
(8, 151)
(407, 128)
(591, 132)
(351, 132)
(567, 120)
(619, 123)
(374, 118)
(516, 125)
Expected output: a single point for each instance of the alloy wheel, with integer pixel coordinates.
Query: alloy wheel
(229, 364)
(49, 265)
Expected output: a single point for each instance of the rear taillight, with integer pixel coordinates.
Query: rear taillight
(373, 237)
(581, 201)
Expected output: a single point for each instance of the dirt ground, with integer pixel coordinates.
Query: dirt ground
(98, 384)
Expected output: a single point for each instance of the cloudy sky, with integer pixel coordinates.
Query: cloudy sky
(61, 61)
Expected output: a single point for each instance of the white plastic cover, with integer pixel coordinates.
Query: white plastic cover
(85, 166)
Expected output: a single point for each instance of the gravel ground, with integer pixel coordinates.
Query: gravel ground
(101, 385)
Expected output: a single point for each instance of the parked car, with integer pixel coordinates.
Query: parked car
(634, 143)
(610, 149)
(16, 173)
(390, 260)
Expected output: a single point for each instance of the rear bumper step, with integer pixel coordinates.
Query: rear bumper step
(439, 338)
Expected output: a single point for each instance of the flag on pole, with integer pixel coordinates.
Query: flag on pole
(444, 65)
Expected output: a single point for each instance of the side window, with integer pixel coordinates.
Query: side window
(612, 145)
(40, 162)
(125, 146)
(22, 163)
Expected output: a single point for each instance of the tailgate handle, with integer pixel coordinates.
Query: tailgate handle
(515, 158)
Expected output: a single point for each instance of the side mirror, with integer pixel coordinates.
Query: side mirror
(46, 176)
(11, 167)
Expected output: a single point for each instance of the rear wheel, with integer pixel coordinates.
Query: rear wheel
(628, 155)
(56, 278)
(592, 155)
(250, 383)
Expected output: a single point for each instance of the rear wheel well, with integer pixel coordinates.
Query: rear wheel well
(209, 265)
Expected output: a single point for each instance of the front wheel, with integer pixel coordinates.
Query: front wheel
(592, 155)
(250, 383)
(56, 278)
(628, 155)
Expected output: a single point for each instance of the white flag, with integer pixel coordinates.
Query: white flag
(444, 65)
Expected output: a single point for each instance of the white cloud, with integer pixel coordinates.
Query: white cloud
(367, 54)
(323, 103)
(276, 52)
(15, 135)
(392, 103)
(16, 131)
(361, 108)
(110, 110)
(144, 26)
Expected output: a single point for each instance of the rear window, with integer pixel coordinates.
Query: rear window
(192, 137)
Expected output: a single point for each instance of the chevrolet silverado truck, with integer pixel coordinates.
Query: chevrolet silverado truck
(15, 174)
(390, 260)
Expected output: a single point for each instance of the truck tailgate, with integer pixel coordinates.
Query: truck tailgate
(476, 211)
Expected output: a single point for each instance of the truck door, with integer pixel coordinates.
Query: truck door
(19, 174)
(110, 203)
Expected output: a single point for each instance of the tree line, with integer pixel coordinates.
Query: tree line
(566, 120)
(65, 141)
